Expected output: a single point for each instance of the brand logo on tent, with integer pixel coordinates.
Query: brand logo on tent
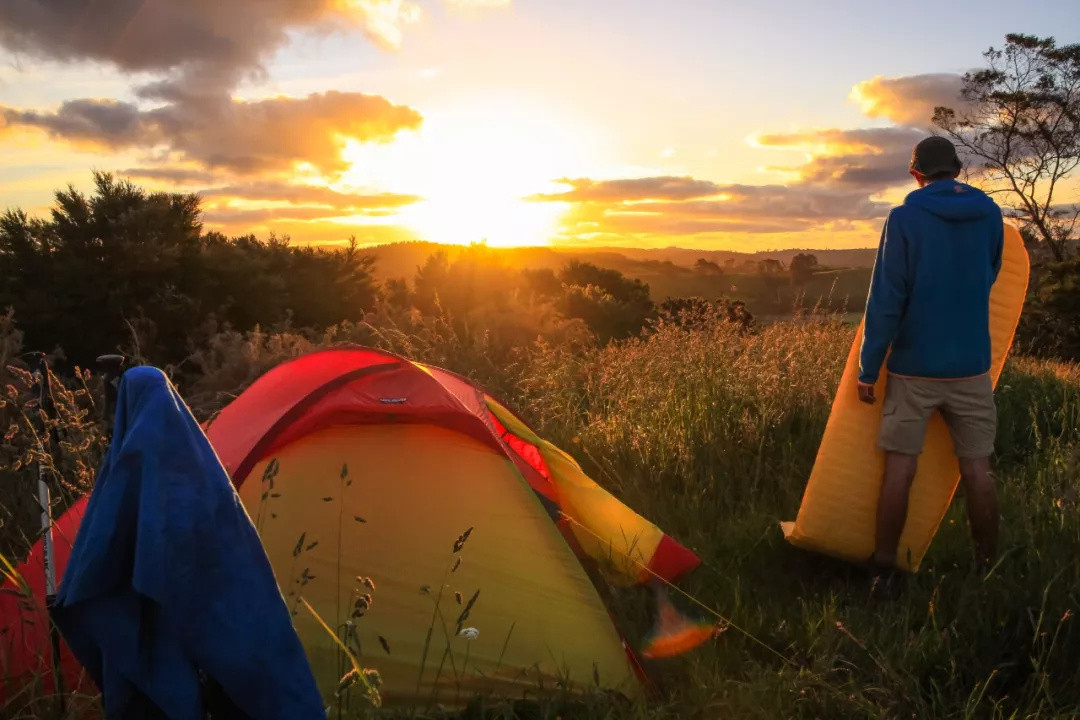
(392, 401)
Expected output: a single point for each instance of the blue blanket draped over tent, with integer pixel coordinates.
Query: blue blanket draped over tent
(168, 585)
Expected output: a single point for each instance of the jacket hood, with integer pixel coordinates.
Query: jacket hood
(953, 201)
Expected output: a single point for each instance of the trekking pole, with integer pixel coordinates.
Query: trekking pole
(111, 368)
(47, 437)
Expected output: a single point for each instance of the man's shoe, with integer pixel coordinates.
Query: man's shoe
(885, 584)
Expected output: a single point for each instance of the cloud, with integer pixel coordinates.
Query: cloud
(871, 159)
(109, 123)
(222, 39)
(259, 216)
(651, 208)
(648, 188)
(910, 100)
(282, 192)
(383, 21)
(836, 188)
(196, 52)
(180, 176)
(219, 132)
(793, 202)
(328, 230)
(274, 204)
(468, 4)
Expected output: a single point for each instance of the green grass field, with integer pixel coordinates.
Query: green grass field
(712, 433)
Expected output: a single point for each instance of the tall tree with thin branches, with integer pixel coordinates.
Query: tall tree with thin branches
(1020, 125)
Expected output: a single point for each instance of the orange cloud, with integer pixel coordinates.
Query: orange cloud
(317, 231)
(177, 175)
(655, 210)
(649, 188)
(908, 100)
(260, 216)
(219, 132)
(871, 159)
(281, 192)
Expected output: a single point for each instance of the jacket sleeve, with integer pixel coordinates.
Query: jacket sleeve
(887, 299)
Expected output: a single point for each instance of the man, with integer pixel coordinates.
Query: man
(929, 308)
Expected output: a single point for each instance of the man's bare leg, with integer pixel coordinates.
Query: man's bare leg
(893, 506)
(982, 507)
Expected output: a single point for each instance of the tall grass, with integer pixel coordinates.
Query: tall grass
(710, 430)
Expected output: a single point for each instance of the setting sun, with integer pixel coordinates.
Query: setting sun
(473, 169)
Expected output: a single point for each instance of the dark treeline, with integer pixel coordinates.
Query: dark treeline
(129, 270)
(123, 266)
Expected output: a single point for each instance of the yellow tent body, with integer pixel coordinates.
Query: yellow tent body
(837, 515)
(392, 497)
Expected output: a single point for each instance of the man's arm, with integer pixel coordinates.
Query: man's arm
(885, 303)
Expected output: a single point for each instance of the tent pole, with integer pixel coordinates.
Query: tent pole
(46, 439)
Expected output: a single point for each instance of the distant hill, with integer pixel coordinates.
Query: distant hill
(858, 257)
(401, 259)
(670, 272)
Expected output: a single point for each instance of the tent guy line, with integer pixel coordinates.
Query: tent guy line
(722, 619)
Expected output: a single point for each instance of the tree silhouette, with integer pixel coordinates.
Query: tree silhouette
(122, 264)
(802, 268)
(707, 267)
(1021, 125)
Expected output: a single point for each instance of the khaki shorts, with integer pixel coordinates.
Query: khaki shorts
(967, 406)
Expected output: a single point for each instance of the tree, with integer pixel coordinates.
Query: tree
(770, 266)
(802, 268)
(120, 256)
(542, 282)
(707, 267)
(1020, 122)
(1049, 326)
(121, 262)
(611, 304)
(397, 294)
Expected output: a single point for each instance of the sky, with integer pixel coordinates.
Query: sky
(716, 124)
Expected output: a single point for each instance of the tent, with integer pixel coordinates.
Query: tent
(392, 496)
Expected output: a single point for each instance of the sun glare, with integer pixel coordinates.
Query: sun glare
(473, 169)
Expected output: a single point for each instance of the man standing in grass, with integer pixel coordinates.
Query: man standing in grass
(929, 307)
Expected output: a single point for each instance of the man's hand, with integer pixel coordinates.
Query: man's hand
(866, 393)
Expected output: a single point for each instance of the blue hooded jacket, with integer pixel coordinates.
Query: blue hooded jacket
(168, 599)
(929, 299)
